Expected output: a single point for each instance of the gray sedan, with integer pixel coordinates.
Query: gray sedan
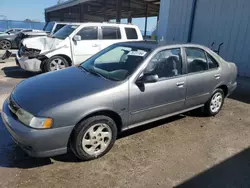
(126, 85)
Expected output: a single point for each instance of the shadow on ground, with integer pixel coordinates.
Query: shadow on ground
(231, 173)
(17, 72)
(242, 93)
(12, 156)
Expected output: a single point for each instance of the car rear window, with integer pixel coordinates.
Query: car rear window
(131, 33)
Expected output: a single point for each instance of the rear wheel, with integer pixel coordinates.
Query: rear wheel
(215, 103)
(93, 137)
(5, 44)
(56, 63)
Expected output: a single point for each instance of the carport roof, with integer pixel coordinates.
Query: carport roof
(108, 8)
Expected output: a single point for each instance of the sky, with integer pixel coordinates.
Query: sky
(34, 10)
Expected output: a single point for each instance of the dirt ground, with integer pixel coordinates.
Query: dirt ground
(184, 151)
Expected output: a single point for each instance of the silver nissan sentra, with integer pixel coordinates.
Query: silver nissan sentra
(126, 85)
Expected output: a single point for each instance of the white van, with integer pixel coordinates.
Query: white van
(72, 45)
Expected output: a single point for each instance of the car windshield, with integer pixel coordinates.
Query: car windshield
(49, 27)
(65, 32)
(12, 31)
(116, 62)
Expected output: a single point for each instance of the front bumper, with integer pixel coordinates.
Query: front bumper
(32, 65)
(37, 143)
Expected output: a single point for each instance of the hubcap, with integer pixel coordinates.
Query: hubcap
(5, 45)
(216, 102)
(57, 64)
(96, 139)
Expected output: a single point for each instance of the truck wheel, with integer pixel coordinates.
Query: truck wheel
(5, 44)
(56, 63)
(215, 103)
(93, 137)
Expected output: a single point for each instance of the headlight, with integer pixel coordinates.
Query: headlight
(32, 121)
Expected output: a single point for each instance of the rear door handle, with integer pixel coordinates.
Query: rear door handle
(180, 84)
(95, 45)
(217, 76)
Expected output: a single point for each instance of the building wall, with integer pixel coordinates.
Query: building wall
(220, 21)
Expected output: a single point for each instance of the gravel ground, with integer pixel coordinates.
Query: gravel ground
(184, 151)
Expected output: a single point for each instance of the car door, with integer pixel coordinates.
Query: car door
(87, 46)
(202, 77)
(166, 96)
(110, 35)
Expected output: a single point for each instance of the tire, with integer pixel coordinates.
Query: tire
(215, 103)
(87, 144)
(5, 45)
(56, 63)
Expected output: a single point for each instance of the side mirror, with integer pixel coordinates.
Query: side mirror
(77, 38)
(148, 78)
(151, 78)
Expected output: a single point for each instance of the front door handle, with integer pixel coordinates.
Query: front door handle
(180, 84)
(217, 76)
(95, 45)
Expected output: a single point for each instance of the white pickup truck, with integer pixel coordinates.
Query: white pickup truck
(72, 45)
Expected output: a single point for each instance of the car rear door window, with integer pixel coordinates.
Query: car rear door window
(131, 33)
(111, 33)
(196, 60)
(212, 63)
(89, 33)
(166, 64)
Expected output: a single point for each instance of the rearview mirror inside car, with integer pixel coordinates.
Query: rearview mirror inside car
(77, 38)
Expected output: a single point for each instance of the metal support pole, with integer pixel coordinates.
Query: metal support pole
(191, 24)
(81, 15)
(118, 10)
(130, 19)
(146, 21)
(61, 15)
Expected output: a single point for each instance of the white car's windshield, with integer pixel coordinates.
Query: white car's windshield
(64, 32)
(116, 62)
(49, 27)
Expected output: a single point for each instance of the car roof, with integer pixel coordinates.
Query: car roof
(151, 45)
(94, 23)
(154, 45)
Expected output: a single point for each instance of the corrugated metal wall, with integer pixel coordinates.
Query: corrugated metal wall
(220, 21)
(228, 22)
(179, 20)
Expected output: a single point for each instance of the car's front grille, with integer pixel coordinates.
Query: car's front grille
(28, 52)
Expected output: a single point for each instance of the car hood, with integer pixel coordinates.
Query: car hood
(43, 92)
(42, 43)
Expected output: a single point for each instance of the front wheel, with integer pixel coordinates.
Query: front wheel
(93, 137)
(56, 63)
(215, 103)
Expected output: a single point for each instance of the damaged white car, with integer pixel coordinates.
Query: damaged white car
(72, 45)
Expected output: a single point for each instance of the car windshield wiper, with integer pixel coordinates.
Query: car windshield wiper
(92, 71)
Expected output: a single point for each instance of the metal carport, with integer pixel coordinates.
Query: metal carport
(102, 10)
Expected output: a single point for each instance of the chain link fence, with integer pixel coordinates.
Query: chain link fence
(7, 24)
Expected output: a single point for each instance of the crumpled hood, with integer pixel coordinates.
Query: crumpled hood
(43, 43)
(43, 92)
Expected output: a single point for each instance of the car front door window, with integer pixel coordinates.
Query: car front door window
(89, 33)
(166, 64)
